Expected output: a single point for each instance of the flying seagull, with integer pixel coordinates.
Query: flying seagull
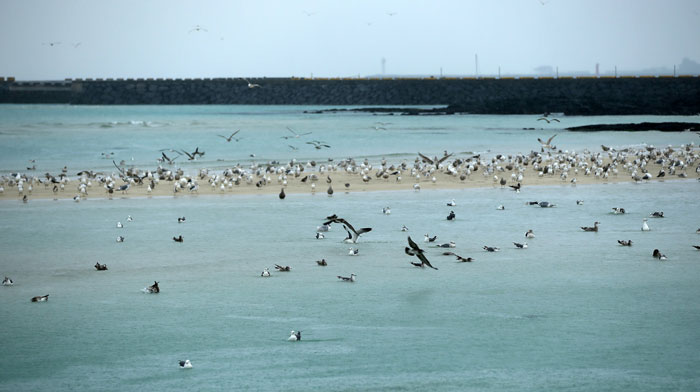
(198, 28)
(414, 250)
(228, 139)
(547, 144)
(251, 85)
(353, 235)
(294, 134)
(435, 160)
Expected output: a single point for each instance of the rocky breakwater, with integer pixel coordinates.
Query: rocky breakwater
(573, 96)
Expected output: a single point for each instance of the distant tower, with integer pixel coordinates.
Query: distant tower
(476, 65)
(383, 66)
(597, 70)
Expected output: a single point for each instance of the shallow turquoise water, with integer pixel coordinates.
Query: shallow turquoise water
(574, 311)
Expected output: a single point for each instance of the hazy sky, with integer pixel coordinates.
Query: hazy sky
(154, 38)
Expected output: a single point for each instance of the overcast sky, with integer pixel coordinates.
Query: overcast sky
(159, 38)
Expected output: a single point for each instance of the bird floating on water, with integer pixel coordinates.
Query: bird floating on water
(100, 267)
(618, 210)
(7, 282)
(657, 255)
(186, 364)
(520, 246)
(588, 228)
(625, 242)
(40, 298)
(153, 289)
(265, 273)
(530, 234)
(657, 214)
(491, 249)
(350, 278)
(451, 216)
(294, 336)
(645, 226)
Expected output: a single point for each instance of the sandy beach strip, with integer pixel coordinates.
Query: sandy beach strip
(339, 179)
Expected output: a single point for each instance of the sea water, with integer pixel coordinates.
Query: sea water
(573, 311)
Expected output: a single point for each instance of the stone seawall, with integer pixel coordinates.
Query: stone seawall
(573, 96)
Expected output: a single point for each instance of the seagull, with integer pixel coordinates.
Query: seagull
(594, 228)
(520, 246)
(129, 218)
(294, 134)
(323, 228)
(353, 252)
(501, 207)
(294, 336)
(181, 220)
(320, 236)
(547, 144)
(318, 144)
(198, 28)
(322, 262)
(645, 226)
(579, 202)
(459, 258)
(351, 278)
(178, 239)
(186, 364)
(548, 121)
(618, 210)
(546, 204)
(353, 234)
(657, 254)
(386, 211)
(434, 161)
(451, 216)
(625, 242)
(228, 139)
(657, 214)
(166, 159)
(451, 203)
(404, 228)
(41, 298)
(119, 225)
(100, 267)
(153, 289)
(530, 234)
(120, 239)
(450, 244)
(286, 268)
(51, 43)
(429, 239)
(415, 250)
(265, 273)
(7, 282)
(491, 249)
(251, 85)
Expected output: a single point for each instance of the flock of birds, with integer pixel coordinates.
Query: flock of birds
(504, 170)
